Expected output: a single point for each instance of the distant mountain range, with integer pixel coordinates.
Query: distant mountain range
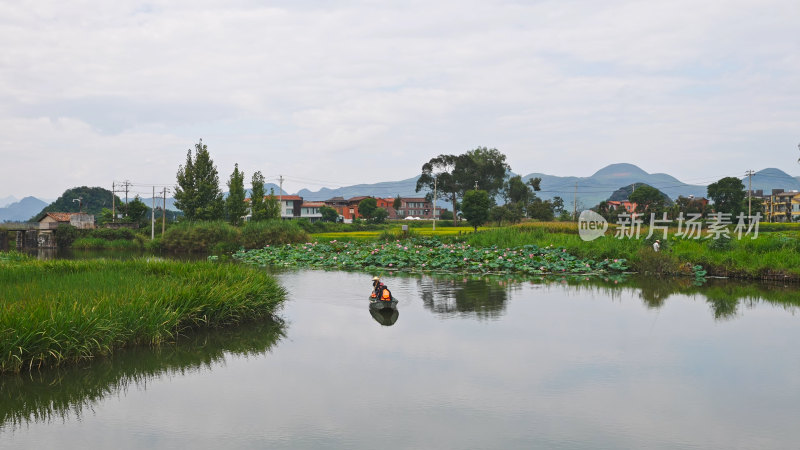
(404, 188)
(22, 210)
(590, 190)
(5, 201)
(769, 179)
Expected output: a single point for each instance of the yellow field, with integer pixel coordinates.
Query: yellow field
(427, 231)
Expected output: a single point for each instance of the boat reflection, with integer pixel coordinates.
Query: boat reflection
(385, 313)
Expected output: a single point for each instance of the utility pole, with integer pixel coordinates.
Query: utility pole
(280, 196)
(575, 203)
(153, 215)
(749, 174)
(113, 203)
(434, 203)
(127, 184)
(164, 214)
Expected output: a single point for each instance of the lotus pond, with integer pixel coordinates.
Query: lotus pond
(429, 255)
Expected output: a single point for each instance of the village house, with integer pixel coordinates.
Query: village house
(782, 206)
(290, 206)
(52, 220)
(310, 211)
(621, 206)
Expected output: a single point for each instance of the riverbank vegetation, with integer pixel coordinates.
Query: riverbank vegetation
(59, 312)
(421, 255)
(772, 255)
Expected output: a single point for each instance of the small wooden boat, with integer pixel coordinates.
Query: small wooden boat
(375, 304)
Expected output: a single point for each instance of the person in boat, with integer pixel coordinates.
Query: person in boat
(380, 291)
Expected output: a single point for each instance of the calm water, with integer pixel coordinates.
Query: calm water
(468, 363)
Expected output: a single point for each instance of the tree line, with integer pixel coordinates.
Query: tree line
(728, 195)
(198, 194)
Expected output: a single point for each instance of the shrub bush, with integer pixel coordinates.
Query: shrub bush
(110, 234)
(199, 236)
(273, 232)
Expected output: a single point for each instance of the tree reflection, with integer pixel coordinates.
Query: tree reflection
(486, 297)
(57, 393)
(483, 298)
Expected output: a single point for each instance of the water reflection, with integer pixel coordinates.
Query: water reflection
(725, 297)
(386, 317)
(482, 298)
(59, 393)
(485, 298)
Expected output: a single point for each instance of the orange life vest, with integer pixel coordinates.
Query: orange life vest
(386, 295)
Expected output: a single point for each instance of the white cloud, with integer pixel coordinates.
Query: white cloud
(333, 92)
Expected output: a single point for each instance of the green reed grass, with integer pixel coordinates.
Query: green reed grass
(771, 255)
(57, 312)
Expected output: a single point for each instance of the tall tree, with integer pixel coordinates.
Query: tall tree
(258, 210)
(728, 194)
(197, 193)
(366, 207)
(484, 166)
(136, 211)
(649, 200)
(439, 172)
(397, 203)
(329, 214)
(475, 207)
(272, 207)
(235, 207)
(516, 191)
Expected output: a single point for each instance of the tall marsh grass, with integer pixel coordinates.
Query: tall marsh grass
(771, 255)
(56, 312)
(272, 232)
(200, 236)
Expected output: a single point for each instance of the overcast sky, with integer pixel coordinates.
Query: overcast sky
(346, 92)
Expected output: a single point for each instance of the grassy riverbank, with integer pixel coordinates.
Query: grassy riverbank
(57, 312)
(772, 255)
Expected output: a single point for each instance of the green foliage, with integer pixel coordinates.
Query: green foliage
(475, 207)
(485, 166)
(111, 234)
(652, 262)
(649, 200)
(235, 207)
(379, 215)
(66, 234)
(727, 194)
(366, 207)
(273, 232)
(510, 212)
(516, 191)
(428, 254)
(137, 212)
(258, 210)
(197, 193)
(688, 206)
(397, 203)
(59, 312)
(272, 207)
(439, 172)
(199, 236)
(446, 215)
(541, 210)
(329, 214)
(94, 199)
